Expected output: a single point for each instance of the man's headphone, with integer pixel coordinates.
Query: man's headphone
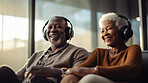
(68, 30)
(126, 31)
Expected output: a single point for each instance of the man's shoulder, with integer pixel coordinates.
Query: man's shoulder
(37, 54)
(71, 46)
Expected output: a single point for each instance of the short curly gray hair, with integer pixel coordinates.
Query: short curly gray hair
(111, 16)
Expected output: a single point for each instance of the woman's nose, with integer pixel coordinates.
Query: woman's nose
(105, 33)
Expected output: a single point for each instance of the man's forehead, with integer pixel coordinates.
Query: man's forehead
(57, 18)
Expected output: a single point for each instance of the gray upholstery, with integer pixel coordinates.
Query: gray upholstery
(144, 74)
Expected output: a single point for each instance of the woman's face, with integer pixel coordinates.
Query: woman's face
(110, 33)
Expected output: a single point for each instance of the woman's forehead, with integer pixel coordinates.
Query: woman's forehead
(106, 23)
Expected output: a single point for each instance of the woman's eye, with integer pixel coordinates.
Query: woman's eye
(109, 28)
(102, 31)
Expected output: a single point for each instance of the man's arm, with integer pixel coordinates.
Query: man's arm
(80, 56)
(43, 71)
(21, 73)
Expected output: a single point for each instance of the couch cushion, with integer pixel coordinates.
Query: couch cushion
(144, 74)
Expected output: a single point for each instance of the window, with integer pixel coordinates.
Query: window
(83, 14)
(14, 33)
(78, 12)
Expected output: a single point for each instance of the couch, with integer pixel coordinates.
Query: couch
(144, 74)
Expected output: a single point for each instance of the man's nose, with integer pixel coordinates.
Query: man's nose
(53, 29)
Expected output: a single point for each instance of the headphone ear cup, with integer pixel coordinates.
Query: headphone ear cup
(69, 33)
(126, 32)
(129, 33)
(44, 35)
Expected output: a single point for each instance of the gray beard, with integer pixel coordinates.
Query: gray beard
(57, 42)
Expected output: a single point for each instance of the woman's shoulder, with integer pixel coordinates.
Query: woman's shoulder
(100, 50)
(135, 46)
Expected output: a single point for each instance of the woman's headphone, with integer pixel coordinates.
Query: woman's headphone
(126, 31)
(69, 30)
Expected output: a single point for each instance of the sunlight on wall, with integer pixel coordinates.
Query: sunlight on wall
(13, 41)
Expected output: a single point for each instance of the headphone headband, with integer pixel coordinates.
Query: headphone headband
(66, 20)
(45, 26)
(121, 16)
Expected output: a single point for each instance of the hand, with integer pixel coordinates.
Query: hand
(79, 71)
(42, 71)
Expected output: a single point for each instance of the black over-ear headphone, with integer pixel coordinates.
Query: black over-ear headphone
(69, 30)
(126, 31)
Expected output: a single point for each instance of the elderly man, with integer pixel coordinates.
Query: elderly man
(47, 66)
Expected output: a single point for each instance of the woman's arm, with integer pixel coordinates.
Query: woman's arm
(129, 70)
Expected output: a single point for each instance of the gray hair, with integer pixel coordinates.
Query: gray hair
(119, 22)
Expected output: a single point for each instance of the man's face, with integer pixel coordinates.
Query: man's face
(56, 31)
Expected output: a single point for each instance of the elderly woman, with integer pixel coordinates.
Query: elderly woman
(120, 63)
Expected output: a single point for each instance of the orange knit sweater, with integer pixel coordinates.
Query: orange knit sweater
(124, 67)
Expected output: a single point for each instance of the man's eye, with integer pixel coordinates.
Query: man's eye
(59, 27)
(49, 27)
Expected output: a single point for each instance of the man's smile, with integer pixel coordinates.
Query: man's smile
(53, 36)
